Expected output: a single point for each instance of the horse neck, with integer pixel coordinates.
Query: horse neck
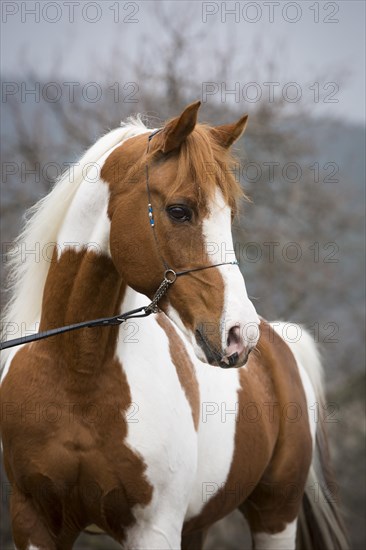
(83, 283)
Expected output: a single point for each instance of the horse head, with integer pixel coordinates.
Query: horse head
(172, 201)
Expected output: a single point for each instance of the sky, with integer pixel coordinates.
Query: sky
(318, 47)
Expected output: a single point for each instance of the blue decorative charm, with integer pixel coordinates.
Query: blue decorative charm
(151, 216)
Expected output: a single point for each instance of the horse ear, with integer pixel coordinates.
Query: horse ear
(178, 129)
(227, 134)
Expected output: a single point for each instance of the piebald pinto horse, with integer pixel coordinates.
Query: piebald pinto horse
(149, 431)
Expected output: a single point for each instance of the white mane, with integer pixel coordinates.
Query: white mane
(27, 274)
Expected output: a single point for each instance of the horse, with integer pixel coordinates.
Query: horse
(153, 430)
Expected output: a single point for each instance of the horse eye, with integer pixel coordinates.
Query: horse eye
(179, 213)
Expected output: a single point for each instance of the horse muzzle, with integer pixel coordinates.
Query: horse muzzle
(239, 344)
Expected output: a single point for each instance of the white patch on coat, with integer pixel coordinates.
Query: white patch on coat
(238, 309)
(216, 433)
(9, 360)
(86, 223)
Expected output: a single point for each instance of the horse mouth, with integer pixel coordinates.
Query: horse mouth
(213, 356)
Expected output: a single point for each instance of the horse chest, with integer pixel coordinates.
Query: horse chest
(182, 447)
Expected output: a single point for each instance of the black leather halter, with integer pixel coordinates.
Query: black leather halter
(170, 276)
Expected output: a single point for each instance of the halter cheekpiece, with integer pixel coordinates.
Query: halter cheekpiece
(170, 276)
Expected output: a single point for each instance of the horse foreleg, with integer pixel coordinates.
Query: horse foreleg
(284, 540)
(271, 512)
(29, 531)
(156, 536)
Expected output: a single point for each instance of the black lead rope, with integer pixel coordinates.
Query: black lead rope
(104, 322)
(170, 276)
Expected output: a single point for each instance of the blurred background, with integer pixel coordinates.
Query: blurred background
(73, 70)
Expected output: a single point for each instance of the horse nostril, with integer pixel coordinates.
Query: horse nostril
(233, 336)
(235, 347)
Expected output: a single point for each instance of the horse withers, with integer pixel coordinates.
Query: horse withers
(149, 431)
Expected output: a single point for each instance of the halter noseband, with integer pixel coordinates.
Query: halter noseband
(170, 276)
